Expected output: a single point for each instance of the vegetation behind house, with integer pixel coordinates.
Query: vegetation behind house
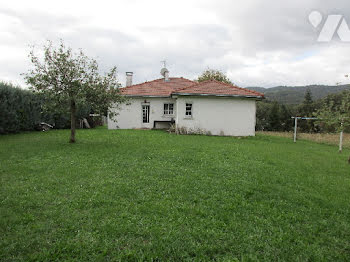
(294, 95)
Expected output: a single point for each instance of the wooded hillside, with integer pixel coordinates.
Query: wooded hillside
(295, 94)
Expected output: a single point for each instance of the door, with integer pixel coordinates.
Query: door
(145, 113)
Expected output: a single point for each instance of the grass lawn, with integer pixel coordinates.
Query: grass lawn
(142, 195)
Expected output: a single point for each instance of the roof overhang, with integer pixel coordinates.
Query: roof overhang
(174, 95)
(218, 95)
(149, 96)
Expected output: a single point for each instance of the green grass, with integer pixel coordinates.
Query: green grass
(149, 195)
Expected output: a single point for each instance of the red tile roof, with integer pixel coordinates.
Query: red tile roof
(157, 87)
(183, 86)
(214, 87)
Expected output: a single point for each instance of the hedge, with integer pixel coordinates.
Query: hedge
(21, 110)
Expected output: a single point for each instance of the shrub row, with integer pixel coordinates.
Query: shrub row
(21, 110)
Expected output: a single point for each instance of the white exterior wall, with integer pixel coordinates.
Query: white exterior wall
(219, 115)
(130, 116)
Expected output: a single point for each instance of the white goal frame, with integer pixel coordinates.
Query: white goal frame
(315, 118)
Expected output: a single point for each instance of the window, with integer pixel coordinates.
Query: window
(168, 109)
(145, 113)
(188, 110)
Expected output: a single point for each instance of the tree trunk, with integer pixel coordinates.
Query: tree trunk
(73, 110)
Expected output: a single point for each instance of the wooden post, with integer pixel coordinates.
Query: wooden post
(341, 138)
(295, 129)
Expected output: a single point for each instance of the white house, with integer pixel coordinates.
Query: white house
(206, 107)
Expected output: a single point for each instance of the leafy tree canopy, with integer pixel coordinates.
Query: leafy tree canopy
(212, 74)
(335, 110)
(70, 79)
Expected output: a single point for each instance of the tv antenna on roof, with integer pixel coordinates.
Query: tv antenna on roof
(164, 63)
(164, 71)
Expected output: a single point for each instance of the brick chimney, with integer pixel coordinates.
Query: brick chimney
(129, 78)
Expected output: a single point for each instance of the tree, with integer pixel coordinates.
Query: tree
(307, 109)
(68, 80)
(286, 118)
(274, 117)
(333, 112)
(212, 74)
(262, 114)
(336, 114)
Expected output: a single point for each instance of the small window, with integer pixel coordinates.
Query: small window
(188, 110)
(168, 109)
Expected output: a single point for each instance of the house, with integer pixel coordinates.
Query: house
(209, 107)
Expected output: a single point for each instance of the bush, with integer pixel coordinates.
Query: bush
(22, 110)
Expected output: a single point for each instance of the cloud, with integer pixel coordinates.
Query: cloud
(257, 43)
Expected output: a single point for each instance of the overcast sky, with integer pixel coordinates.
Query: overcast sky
(256, 43)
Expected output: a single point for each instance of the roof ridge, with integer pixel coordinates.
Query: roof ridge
(179, 85)
(147, 82)
(242, 88)
(195, 83)
(219, 82)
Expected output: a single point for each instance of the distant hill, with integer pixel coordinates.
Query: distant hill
(295, 94)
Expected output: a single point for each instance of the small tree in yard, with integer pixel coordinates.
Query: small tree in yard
(212, 74)
(68, 80)
(335, 114)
